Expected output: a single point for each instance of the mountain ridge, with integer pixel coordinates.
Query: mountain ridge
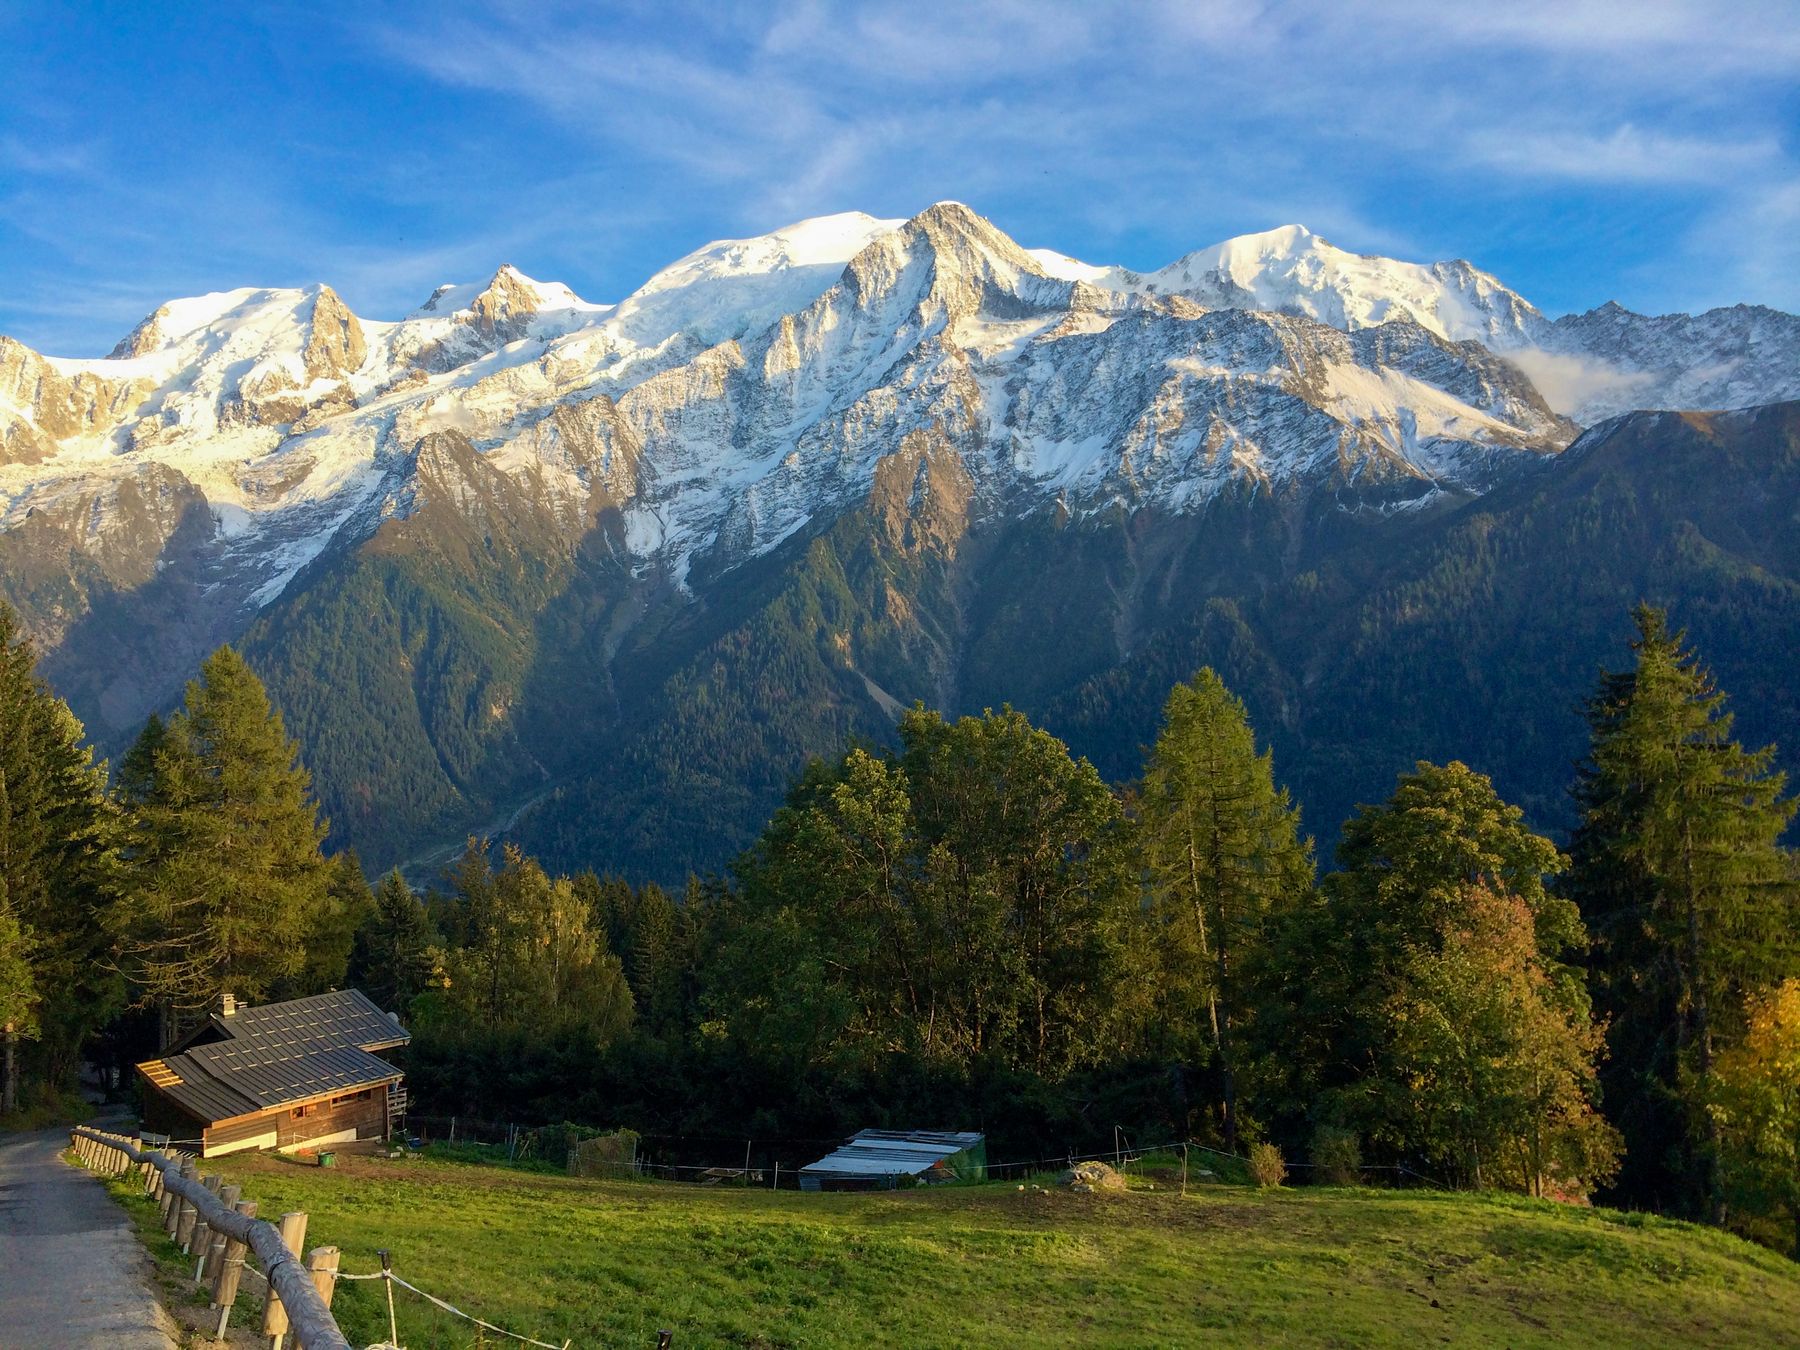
(548, 510)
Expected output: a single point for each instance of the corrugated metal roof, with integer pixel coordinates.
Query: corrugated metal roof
(281, 1053)
(892, 1153)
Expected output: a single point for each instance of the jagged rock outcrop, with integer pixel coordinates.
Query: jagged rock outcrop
(40, 406)
(334, 338)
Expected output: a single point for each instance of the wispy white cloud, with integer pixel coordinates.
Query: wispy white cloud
(1627, 154)
(599, 141)
(1164, 109)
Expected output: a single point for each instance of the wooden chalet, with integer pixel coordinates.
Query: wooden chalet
(283, 1076)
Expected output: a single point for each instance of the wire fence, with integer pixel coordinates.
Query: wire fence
(718, 1160)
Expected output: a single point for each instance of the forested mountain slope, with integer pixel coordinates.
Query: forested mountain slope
(1475, 636)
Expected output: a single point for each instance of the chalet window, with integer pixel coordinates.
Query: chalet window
(351, 1097)
(311, 1108)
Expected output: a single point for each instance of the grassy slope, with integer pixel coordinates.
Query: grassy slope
(609, 1263)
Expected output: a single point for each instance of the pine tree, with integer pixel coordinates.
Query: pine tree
(1690, 897)
(1223, 848)
(226, 873)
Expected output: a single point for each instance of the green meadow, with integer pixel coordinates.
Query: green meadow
(612, 1263)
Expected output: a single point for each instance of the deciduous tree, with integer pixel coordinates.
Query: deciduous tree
(1436, 1008)
(1755, 1102)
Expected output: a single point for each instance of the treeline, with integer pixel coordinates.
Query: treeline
(970, 928)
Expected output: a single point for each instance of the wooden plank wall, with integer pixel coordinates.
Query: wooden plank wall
(365, 1112)
(256, 1132)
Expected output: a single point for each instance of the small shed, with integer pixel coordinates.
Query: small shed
(284, 1075)
(884, 1159)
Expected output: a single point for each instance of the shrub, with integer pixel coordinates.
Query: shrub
(1337, 1156)
(1266, 1165)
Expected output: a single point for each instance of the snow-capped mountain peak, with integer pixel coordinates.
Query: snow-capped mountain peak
(509, 293)
(752, 387)
(1292, 270)
(731, 287)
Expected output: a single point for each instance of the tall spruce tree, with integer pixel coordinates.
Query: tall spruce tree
(56, 840)
(227, 880)
(18, 1003)
(1222, 845)
(1678, 870)
(390, 960)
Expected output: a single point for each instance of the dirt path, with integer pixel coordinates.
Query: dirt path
(71, 1269)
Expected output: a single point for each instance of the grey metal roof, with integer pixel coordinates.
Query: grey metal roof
(281, 1053)
(892, 1153)
(275, 1081)
(196, 1090)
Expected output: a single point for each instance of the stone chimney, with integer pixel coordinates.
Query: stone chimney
(227, 1004)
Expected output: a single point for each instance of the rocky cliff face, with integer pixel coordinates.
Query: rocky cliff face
(547, 509)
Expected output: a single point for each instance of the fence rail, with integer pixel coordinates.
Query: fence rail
(211, 1221)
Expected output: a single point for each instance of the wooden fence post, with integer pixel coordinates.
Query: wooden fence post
(275, 1318)
(322, 1262)
(190, 1213)
(231, 1270)
(172, 1210)
(180, 1217)
(165, 1198)
(201, 1237)
(214, 1255)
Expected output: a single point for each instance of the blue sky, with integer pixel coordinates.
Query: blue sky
(1582, 151)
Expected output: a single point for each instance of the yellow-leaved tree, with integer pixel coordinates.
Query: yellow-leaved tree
(1755, 1102)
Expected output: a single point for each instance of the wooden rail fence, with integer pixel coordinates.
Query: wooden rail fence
(214, 1224)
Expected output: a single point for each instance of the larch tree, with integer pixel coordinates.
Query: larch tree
(1691, 899)
(226, 875)
(1223, 849)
